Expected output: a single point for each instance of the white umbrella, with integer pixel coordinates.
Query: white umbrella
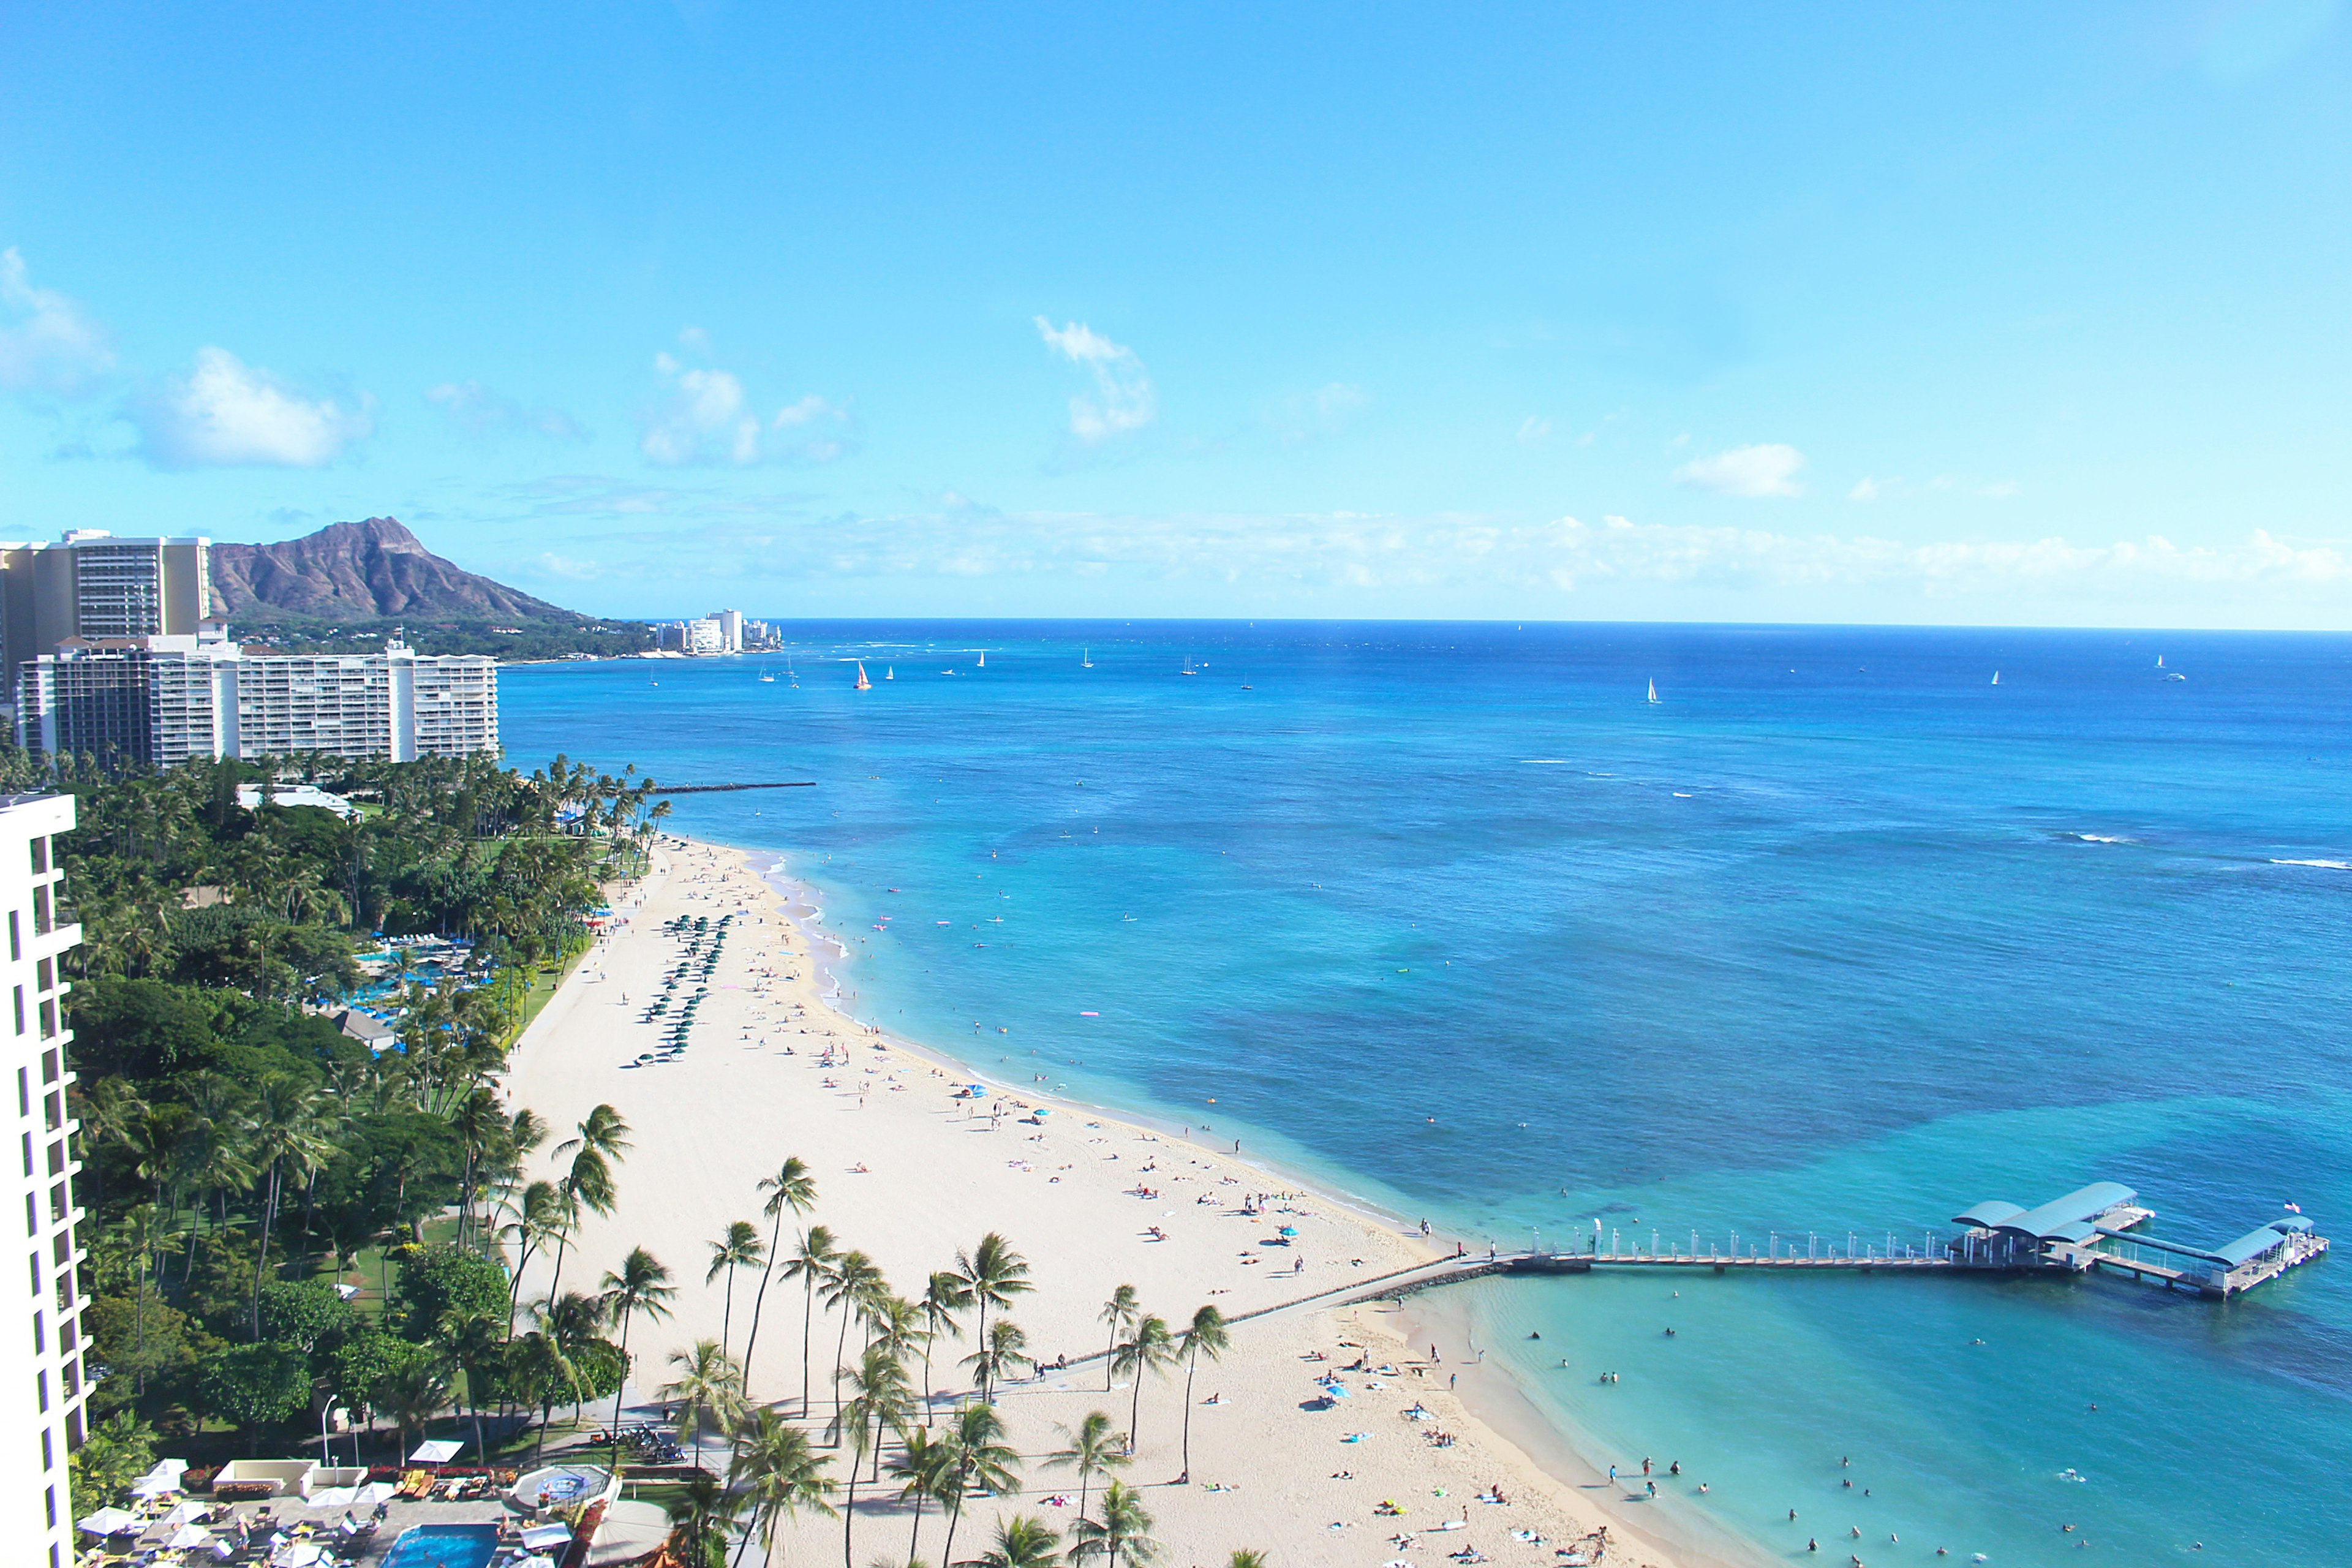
(186, 1513)
(332, 1497)
(110, 1521)
(153, 1486)
(301, 1554)
(188, 1535)
(375, 1494)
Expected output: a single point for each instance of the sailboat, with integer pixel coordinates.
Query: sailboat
(767, 680)
(1996, 678)
(791, 674)
(891, 673)
(2160, 661)
(863, 684)
(983, 658)
(1086, 658)
(1653, 691)
(1187, 669)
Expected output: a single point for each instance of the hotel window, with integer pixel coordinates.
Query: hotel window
(41, 911)
(45, 975)
(49, 1017)
(55, 1108)
(15, 941)
(31, 1215)
(48, 1066)
(58, 1158)
(41, 1386)
(20, 991)
(24, 1091)
(28, 1154)
(41, 856)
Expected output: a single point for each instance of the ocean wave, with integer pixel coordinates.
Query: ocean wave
(2323, 865)
(2100, 838)
(1546, 762)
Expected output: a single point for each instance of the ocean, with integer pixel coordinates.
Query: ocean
(1836, 938)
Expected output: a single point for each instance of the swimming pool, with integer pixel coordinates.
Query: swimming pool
(445, 1546)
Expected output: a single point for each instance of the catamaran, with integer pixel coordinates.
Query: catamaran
(863, 684)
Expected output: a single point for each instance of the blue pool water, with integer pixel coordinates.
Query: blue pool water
(443, 1546)
(1838, 935)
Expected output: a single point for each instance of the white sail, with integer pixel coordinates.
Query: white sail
(1653, 691)
(1996, 678)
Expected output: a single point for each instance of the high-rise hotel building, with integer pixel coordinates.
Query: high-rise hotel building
(42, 1384)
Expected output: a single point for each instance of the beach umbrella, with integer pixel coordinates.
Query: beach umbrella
(186, 1513)
(1287, 1230)
(375, 1494)
(152, 1486)
(301, 1554)
(332, 1498)
(188, 1536)
(110, 1521)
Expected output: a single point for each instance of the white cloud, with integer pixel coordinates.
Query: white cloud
(478, 411)
(1865, 489)
(1765, 470)
(226, 412)
(1123, 399)
(705, 417)
(1533, 428)
(47, 344)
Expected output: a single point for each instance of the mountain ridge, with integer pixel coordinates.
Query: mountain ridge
(369, 570)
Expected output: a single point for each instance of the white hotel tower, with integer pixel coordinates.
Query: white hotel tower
(41, 1378)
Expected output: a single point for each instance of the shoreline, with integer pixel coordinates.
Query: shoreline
(911, 1221)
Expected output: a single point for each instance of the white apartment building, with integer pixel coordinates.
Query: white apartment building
(160, 700)
(41, 1351)
(92, 585)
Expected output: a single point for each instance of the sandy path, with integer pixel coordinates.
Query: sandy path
(908, 1173)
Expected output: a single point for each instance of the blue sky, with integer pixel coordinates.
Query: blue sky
(1985, 313)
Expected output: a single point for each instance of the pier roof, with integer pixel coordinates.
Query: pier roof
(2250, 1245)
(2054, 1220)
(1995, 1213)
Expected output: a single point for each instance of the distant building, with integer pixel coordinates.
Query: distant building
(42, 1384)
(92, 585)
(160, 700)
(730, 630)
(705, 636)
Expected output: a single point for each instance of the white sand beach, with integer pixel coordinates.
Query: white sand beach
(910, 1173)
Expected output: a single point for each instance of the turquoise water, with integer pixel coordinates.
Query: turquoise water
(445, 1546)
(1838, 935)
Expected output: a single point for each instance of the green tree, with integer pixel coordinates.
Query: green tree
(855, 1284)
(116, 1452)
(811, 1264)
(301, 1314)
(1023, 1541)
(1120, 1313)
(1093, 1449)
(253, 1386)
(923, 1467)
(984, 1460)
(741, 1248)
(1003, 1352)
(437, 1280)
(790, 1190)
(599, 1142)
(995, 1274)
(776, 1474)
(640, 1285)
(944, 1295)
(1206, 1335)
(708, 1386)
(1124, 1530)
(1150, 1349)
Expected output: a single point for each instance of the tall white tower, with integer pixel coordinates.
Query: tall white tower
(42, 1386)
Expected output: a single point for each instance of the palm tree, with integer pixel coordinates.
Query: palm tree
(640, 1285)
(1003, 1352)
(793, 1188)
(1207, 1335)
(982, 1460)
(741, 1248)
(1125, 1528)
(1120, 1313)
(995, 1274)
(540, 1367)
(538, 1220)
(709, 1384)
(473, 1340)
(1094, 1449)
(812, 1265)
(943, 1297)
(699, 1516)
(600, 1141)
(776, 1474)
(1247, 1557)
(881, 1398)
(1151, 1350)
(855, 1284)
(1022, 1541)
(924, 1464)
(413, 1393)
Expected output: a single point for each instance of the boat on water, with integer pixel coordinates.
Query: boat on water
(891, 673)
(1187, 669)
(767, 680)
(983, 658)
(1653, 691)
(863, 684)
(1086, 658)
(2160, 661)
(1996, 678)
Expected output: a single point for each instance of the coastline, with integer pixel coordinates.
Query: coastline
(953, 1174)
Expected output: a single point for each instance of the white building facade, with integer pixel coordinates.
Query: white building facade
(41, 1372)
(160, 700)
